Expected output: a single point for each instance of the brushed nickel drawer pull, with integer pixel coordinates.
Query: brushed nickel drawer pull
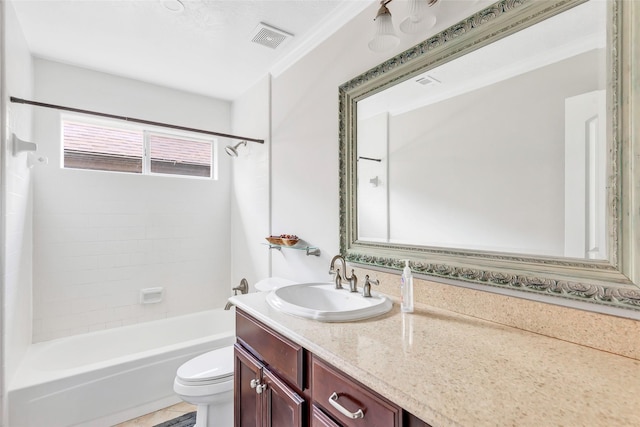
(333, 401)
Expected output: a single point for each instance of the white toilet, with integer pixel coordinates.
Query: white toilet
(207, 381)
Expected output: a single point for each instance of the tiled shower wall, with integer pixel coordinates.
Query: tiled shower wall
(100, 237)
(16, 201)
(96, 249)
(251, 186)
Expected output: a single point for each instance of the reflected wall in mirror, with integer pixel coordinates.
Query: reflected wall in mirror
(491, 136)
(491, 153)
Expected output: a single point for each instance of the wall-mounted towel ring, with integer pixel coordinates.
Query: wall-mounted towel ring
(20, 146)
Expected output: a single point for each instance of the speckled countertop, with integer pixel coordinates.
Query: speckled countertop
(453, 370)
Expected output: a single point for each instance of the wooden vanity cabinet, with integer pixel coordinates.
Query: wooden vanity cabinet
(268, 378)
(262, 399)
(277, 383)
(247, 403)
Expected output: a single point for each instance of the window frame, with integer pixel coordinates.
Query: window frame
(146, 131)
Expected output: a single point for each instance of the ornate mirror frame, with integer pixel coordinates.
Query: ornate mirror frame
(611, 282)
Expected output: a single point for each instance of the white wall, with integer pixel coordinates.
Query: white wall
(101, 237)
(250, 218)
(485, 160)
(305, 141)
(373, 197)
(16, 202)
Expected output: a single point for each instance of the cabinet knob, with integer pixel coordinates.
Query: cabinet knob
(333, 401)
(255, 383)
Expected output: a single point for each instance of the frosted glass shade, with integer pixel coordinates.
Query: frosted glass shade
(420, 17)
(413, 24)
(384, 37)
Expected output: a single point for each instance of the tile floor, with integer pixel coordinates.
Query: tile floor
(160, 416)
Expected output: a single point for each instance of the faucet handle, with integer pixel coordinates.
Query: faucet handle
(243, 287)
(366, 288)
(338, 280)
(353, 282)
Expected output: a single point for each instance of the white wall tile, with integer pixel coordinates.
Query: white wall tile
(17, 203)
(250, 219)
(101, 237)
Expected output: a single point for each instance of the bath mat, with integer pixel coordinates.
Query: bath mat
(186, 420)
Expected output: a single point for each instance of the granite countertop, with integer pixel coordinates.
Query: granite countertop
(455, 370)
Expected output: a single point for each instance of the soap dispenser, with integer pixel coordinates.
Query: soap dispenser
(406, 289)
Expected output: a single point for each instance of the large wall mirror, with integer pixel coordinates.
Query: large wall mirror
(501, 152)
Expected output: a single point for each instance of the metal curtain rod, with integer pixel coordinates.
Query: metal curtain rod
(131, 119)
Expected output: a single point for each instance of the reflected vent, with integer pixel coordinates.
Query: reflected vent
(269, 36)
(427, 80)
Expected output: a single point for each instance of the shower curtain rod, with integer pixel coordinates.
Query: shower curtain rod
(131, 119)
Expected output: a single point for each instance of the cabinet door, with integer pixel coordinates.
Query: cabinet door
(283, 356)
(282, 405)
(247, 403)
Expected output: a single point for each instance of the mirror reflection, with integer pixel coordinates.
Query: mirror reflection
(503, 149)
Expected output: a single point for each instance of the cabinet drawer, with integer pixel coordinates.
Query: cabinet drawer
(351, 396)
(278, 353)
(320, 419)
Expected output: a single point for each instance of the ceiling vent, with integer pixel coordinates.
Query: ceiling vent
(427, 80)
(269, 36)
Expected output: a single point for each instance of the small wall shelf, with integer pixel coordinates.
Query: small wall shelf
(309, 249)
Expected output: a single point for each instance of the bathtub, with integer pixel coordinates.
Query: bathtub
(106, 377)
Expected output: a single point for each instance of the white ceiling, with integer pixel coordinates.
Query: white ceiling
(204, 49)
(578, 30)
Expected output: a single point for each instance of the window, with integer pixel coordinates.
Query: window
(105, 147)
(88, 146)
(178, 156)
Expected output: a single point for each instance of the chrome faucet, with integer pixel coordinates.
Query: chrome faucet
(353, 280)
(366, 288)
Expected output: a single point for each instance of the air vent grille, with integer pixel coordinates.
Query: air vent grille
(269, 36)
(427, 80)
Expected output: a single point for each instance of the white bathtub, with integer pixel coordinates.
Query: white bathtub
(106, 377)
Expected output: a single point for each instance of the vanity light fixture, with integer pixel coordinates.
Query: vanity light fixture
(420, 17)
(384, 37)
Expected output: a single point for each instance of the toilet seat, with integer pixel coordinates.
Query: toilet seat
(207, 382)
(209, 368)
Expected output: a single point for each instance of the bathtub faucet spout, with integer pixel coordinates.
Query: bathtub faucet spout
(228, 306)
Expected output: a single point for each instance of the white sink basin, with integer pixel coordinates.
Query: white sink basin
(325, 303)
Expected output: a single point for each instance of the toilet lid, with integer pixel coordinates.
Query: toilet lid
(213, 366)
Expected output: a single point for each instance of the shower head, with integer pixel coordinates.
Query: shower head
(233, 151)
